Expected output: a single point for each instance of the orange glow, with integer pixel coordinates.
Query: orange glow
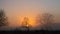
(31, 22)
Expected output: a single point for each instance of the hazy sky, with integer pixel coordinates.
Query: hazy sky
(17, 9)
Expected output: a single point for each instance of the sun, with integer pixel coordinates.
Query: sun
(32, 22)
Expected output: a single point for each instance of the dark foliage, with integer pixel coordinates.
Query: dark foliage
(3, 18)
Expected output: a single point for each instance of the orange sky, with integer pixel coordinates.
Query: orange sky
(16, 10)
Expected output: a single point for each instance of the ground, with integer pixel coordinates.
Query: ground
(32, 32)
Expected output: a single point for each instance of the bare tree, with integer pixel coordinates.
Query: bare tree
(25, 23)
(3, 18)
(46, 20)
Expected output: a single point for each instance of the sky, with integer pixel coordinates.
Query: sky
(16, 10)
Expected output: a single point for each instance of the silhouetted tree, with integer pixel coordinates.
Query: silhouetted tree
(25, 23)
(3, 18)
(46, 20)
